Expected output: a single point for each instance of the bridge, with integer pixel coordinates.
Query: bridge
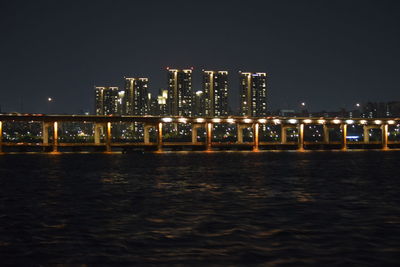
(49, 138)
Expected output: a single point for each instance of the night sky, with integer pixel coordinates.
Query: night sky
(330, 54)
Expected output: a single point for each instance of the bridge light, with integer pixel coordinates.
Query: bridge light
(321, 121)
(276, 121)
(230, 120)
(336, 121)
(292, 121)
(363, 122)
(247, 120)
(349, 121)
(391, 122)
(182, 120)
(166, 119)
(307, 121)
(262, 120)
(216, 120)
(378, 122)
(200, 120)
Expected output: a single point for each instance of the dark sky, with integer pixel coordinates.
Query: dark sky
(330, 54)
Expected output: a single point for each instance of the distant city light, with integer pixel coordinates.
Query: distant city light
(230, 120)
(378, 121)
(363, 122)
(216, 120)
(49, 99)
(321, 121)
(336, 121)
(182, 120)
(349, 121)
(262, 120)
(307, 121)
(247, 120)
(200, 120)
(391, 122)
(292, 121)
(276, 121)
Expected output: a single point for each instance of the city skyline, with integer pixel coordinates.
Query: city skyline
(330, 56)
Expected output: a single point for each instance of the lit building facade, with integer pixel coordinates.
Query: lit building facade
(162, 99)
(108, 101)
(253, 94)
(180, 96)
(136, 99)
(215, 89)
(199, 106)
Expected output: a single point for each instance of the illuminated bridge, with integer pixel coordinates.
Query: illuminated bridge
(38, 132)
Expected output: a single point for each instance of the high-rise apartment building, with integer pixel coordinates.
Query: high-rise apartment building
(108, 101)
(253, 94)
(215, 89)
(136, 101)
(198, 104)
(180, 96)
(162, 99)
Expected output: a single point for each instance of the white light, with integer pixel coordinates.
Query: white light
(276, 121)
(349, 121)
(307, 121)
(183, 120)
(292, 121)
(247, 120)
(166, 119)
(378, 121)
(216, 120)
(321, 121)
(336, 121)
(262, 120)
(230, 120)
(49, 99)
(199, 120)
(363, 122)
(391, 122)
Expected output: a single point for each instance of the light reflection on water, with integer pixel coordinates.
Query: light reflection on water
(314, 208)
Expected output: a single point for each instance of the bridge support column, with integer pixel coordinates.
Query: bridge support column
(194, 132)
(255, 134)
(283, 134)
(343, 127)
(385, 136)
(45, 133)
(146, 133)
(240, 128)
(301, 136)
(98, 129)
(326, 133)
(55, 136)
(209, 127)
(366, 134)
(108, 137)
(159, 136)
(1, 136)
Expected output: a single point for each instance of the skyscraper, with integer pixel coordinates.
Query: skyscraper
(162, 99)
(253, 94)
(107, 100)
(136, 96)
(198, 104)
(180, 96)
(215, 89)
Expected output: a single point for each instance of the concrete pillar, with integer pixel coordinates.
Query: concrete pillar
(343, 127)
(55, 137)
(366, 134)
(194, 133)
(255, 134)
(160, 136)
(301, 136)
(1, 136)
(45, 133)
(326, 133)
(209, 127)
(98, 128)
(146, 133)
(239, 133)
(385, 136)
(283, 134)
(108, 137)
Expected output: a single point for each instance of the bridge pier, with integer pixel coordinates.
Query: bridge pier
(343, 128)
(55, 136)
(194, 132)
(98, 129)
(1, 136)
(366, 133)
(146, 133)
(209, 127)
(256, 127)
(385, 128)
(108, 137)
(160, 136)
(326, 134)
(283, 134)
(301, 137)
